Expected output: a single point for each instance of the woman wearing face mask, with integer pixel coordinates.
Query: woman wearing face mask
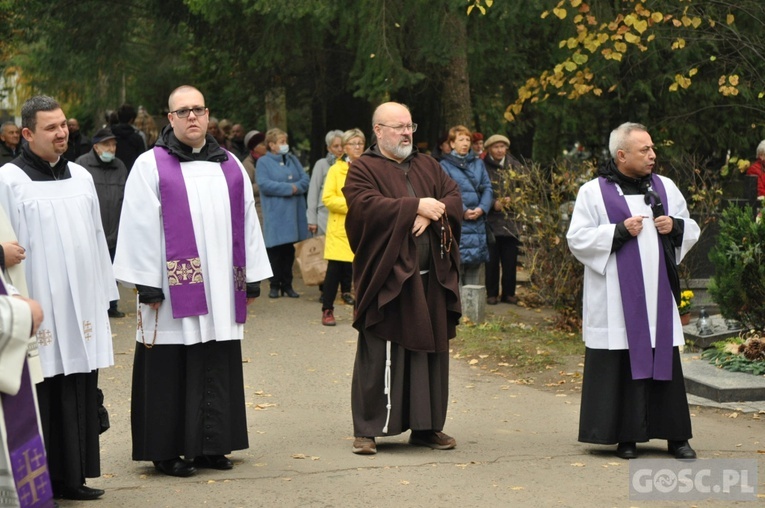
(468, 171)
(109, 176)
(283, 183)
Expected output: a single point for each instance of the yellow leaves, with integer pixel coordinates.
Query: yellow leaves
(728, 85)
(579, 58)
(730, 19)
(679, 43)
(693, 72)
(631, 38)
(561, 13)
(680, 82)
(576, 3)
(657, 17)
(569, 66)
(620, 47)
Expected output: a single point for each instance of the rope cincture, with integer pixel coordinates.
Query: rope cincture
(387, 388)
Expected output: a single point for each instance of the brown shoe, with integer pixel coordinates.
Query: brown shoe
(510, 299)
(364, 446)
(491, 300)
(328, 318)
(432, 439)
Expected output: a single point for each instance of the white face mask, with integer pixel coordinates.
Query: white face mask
(106, 157)
(284, 149)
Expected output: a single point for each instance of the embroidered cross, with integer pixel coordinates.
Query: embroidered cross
(28, 485)
(184, 271)
(44, 337)
(87, 328)
(240, 279)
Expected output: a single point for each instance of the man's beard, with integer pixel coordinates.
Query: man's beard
(399, 152)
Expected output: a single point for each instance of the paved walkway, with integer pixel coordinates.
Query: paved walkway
(516, 444)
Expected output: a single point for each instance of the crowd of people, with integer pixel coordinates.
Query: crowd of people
(404, 230)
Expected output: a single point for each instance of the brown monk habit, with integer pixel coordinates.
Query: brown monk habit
(417, 312)
(386, 271)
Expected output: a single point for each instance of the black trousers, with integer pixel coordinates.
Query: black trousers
(504, 252)
(281, 257)
(338, 272)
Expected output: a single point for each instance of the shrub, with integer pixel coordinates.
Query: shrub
(738, 285)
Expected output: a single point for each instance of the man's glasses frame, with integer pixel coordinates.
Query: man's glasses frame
(184, 112)
(400, 128)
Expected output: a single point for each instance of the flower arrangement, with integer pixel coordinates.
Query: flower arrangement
(745, 353)
(686, 300)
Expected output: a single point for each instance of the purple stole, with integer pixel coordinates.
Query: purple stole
(25, 444)
(645, 363)
(184, 268)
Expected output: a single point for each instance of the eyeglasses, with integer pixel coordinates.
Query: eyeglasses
(401, 128)
(356, 145)
(184, 112)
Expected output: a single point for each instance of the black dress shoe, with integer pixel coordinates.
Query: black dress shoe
(274, 293)
(626, 450)
(213, 462)
(116, 313)
(287, 290)
(681, 449)
(175, 467)
(81, 493)
(492, 300)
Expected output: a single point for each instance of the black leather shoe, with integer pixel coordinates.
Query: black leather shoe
(492, 300)
(175, 467)
(116, 313)
(274, 293)
(681, 449)
(348, 299)
(287, 290)
(626, 450)
(81, 493)
(213, 462)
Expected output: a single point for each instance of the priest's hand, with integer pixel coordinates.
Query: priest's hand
(14, 253)
(431, 208)
(420, 225)
(664, 224)
(37, 312)
(634, 225)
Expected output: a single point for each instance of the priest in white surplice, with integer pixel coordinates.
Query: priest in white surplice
(190, 242)
(53, 209)
(630, 227)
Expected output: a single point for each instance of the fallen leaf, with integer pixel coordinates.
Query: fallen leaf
(473, 361)
(298, 456)
(577, 464)
(404, 482)
(516, 488)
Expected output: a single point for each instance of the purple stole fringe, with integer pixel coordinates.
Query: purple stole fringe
(25, 443)
(184, 268)
(645, 363)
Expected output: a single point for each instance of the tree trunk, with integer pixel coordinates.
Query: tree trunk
(276, 108)
(456, 99)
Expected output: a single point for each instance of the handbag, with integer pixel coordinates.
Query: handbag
(490, 238)
(309, 254)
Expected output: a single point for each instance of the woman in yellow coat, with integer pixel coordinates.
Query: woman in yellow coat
(337, 250)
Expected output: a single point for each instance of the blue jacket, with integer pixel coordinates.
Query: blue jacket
(475, 188)
(284, 219)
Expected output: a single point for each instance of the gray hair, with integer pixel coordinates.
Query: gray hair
(331, 135)
(619, 135)
(32, 106)
(353, 133)
(6, 124)
(761, 149)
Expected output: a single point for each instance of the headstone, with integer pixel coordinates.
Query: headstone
(473, 302)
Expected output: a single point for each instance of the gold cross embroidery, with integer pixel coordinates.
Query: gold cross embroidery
(28, 481)
(184, 271)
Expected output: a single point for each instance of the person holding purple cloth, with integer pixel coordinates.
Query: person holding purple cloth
(190, 243)
(630, 227)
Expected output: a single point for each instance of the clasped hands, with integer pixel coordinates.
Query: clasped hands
(428, 210)
(663, 223)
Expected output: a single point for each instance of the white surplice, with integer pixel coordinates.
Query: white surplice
(141, 260)
(68, 268)
(590, 236)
